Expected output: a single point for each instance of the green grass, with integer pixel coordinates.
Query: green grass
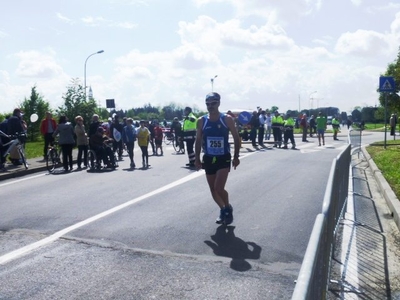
(376, 127)
(388, 161)
(34, 149)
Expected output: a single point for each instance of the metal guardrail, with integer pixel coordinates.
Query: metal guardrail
(312, 282)
(354, 138)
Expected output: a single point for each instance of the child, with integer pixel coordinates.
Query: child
(143, 137)
(158, 138)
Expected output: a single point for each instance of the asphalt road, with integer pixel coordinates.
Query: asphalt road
(150, 234)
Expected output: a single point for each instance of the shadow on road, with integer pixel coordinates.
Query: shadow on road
(225, 243)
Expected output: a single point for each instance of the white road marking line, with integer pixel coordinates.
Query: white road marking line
(22, 179)
(29, 248)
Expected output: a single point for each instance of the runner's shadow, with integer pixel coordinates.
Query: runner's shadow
(225, 243)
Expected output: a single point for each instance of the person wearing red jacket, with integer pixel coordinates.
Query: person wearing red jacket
(47, 128)
(158, 138)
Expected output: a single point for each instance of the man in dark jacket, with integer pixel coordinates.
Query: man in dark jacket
(15, 125)
(94, 125)
(3, 140)
(255, 124)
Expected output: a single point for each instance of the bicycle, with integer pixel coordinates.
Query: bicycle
(16, 141)
(169, 137)
(180, 147)
(53, 157)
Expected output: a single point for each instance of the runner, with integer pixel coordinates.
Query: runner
(213, 135)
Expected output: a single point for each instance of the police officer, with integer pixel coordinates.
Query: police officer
(277, 123)
(189, 134)
(288, 134)
(335, 126)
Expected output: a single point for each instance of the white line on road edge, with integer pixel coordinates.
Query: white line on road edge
(19, 180)
(29, 248)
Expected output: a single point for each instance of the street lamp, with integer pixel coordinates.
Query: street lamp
(212, 83)
(311, 99)
(84, 85)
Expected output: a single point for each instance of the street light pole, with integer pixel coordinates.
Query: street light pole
(84, 85)
(212, 83)
(311, 99)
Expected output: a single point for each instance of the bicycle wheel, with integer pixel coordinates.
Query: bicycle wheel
(51, 160)
(176, 147)
(167, 140)
(91, 160)
(23, 159)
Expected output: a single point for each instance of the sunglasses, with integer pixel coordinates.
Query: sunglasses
(212, 103)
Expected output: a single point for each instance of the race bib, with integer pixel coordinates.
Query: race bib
(215, 145)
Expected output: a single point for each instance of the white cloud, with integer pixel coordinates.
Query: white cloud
(281, 11)
(94, 21)
(385, 7)
(37, 65)
(125, 25)
(3, 34)
(356, 2)
(206, 33)
(100, 21)
(362, 42)
(395, 26)
(64, 18)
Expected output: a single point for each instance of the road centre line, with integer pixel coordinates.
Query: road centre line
(31, 247)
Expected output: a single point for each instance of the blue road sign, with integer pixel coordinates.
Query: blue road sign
(244, 117)
(386, 84)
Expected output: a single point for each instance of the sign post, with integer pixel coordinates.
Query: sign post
(386, 85)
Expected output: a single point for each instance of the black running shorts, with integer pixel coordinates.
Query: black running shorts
(211, 164)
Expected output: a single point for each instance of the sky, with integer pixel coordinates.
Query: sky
(291, 54)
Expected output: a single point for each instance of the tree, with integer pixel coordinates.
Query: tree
(274, 109)
(343, 116)
(379, 114)
(368, 114)
(35, 104)
(392, 99)
(75, 104)
(356, 115)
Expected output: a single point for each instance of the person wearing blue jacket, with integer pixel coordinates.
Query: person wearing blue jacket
(129, 138)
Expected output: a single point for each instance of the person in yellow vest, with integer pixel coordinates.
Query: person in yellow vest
(288, 134)
(189, 134)
(277, 124)
(335, 126)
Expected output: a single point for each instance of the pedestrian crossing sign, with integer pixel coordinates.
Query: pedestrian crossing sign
(386, 84)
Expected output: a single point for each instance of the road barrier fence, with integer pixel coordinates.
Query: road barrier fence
(314, 276)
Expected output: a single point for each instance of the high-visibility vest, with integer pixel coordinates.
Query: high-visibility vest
(277, 120)
(189, 127)
(289, 122)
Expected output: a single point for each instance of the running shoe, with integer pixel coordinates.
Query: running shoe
(228, 215)
(221, 217)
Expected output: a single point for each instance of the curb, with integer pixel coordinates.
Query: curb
(386, 190)
(19, 173)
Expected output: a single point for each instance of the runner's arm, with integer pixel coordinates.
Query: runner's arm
(231, 125)
(199, 138)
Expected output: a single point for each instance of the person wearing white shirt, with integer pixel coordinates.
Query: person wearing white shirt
(261, 118)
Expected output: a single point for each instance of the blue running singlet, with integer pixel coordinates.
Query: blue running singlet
(215, 136)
